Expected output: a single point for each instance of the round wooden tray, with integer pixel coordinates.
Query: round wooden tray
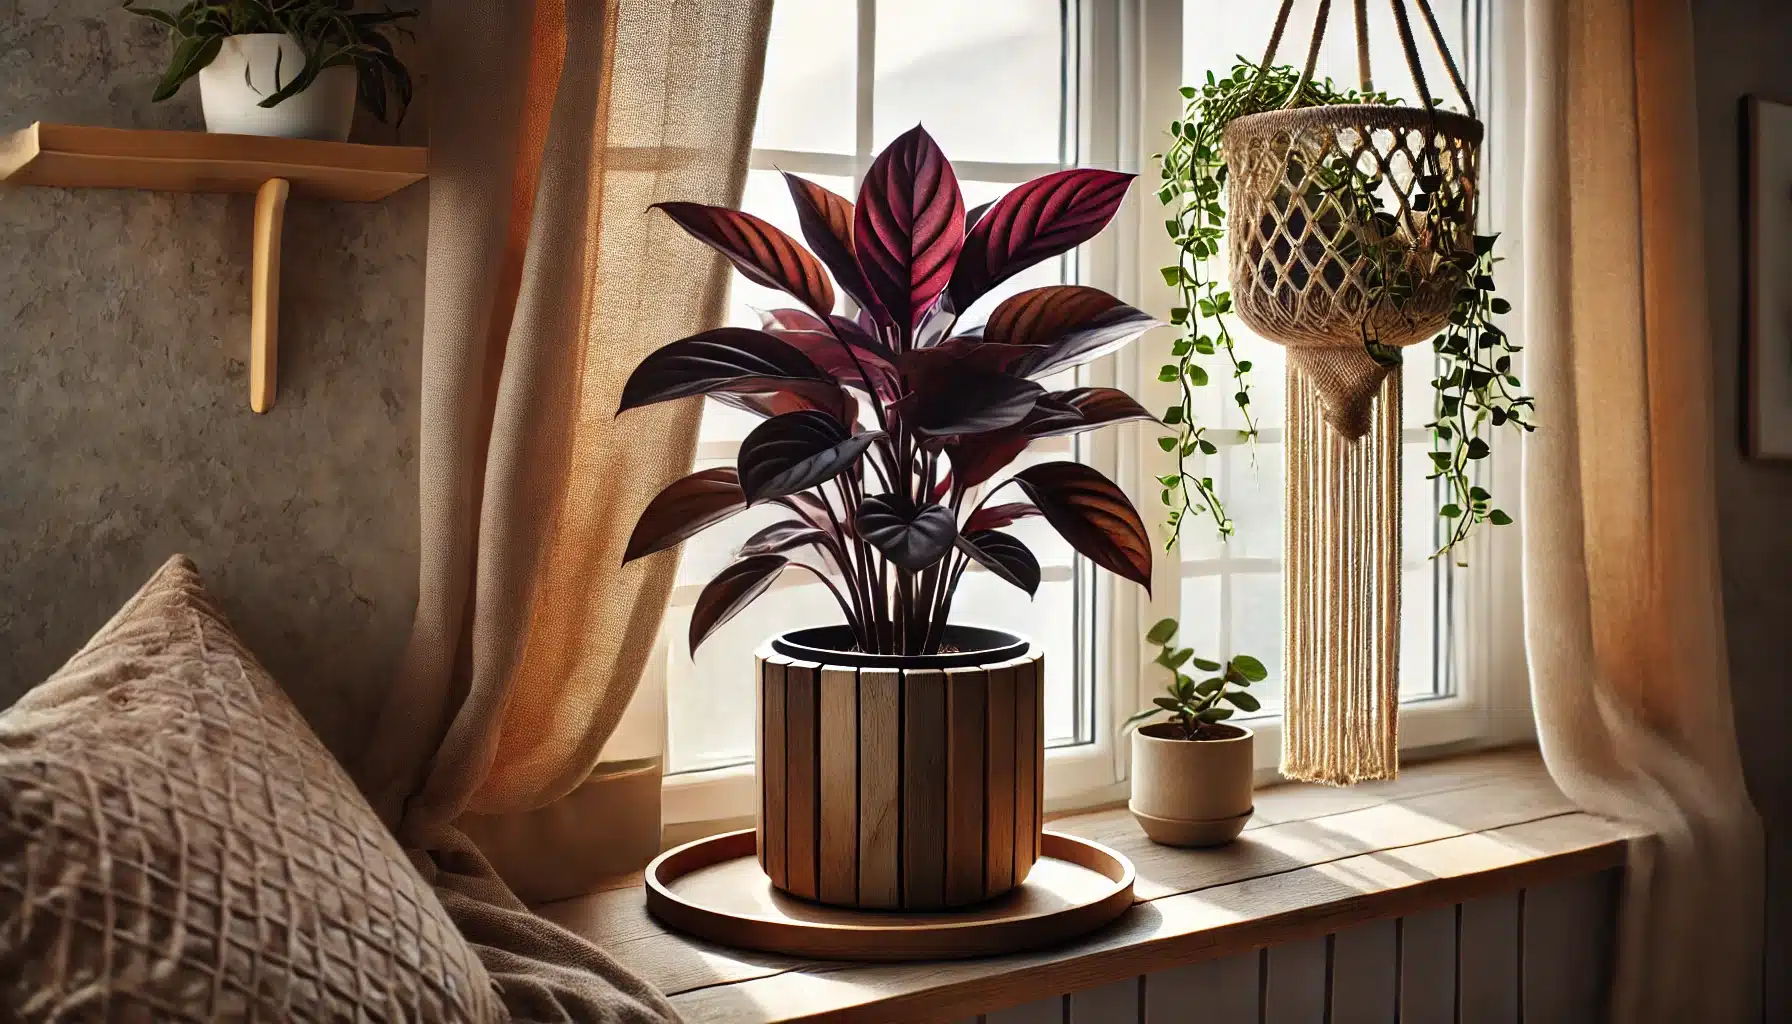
(714, 889)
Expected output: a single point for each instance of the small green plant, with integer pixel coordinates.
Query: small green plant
(1198, 707)
(332, 33)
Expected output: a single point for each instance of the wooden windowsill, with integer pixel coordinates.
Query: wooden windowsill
(1311, 861)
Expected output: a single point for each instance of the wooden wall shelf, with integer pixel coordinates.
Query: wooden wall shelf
(80, 156)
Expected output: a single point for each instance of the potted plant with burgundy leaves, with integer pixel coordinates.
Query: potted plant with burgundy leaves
(901, 754)
(1191, 774)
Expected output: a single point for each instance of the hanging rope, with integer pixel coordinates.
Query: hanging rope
(1310, 268)
(1341, 593)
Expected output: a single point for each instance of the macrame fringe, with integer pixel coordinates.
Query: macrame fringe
(1341, 592)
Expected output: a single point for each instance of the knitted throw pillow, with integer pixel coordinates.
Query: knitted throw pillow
(176, 845)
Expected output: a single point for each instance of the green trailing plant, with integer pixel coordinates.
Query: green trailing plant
(1196, 707)
(1477, 393)
(331, 32)
(1476, 389)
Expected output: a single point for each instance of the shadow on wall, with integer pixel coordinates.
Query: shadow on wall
(125, 431)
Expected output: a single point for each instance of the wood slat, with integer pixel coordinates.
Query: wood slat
(1365, 978)
(1567, 948)
(1487, 960)
(1286, 907)
(1294, 982)
(999, 857)
(801, 736)
(880, 817)
(1041, 1011)
(1114, 1003)
(967, 694)
(1026, 780)
(838, 876)
(1226, 991)
(1427, 957)
(777, 834)
(923, 789)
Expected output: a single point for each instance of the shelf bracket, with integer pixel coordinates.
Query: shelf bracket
(264, 313)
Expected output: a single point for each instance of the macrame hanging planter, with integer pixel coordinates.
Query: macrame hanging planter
(1350, 230)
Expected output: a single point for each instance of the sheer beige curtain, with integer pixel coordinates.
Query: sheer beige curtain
(555, 125)
(1625, 617)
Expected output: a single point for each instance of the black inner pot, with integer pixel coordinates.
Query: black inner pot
(964, 646)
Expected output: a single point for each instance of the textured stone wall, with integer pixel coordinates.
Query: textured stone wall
(125, 431)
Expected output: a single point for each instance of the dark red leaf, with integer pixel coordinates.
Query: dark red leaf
(1005, 556)
(1066, 324)
(976, 459)
(910, 538)
(758, 250)
(994, 517)
(837, 345)
(926, 366)
(782, 538)
(802, 395)
(968, 403)
(730, 591)
(1093, 515)
(683, 509)
(1092, 407)
(795, 452)
(1035, 221)
(725, 359)
(826, 221)
(908, 227)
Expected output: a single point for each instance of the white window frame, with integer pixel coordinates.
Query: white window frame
(1126, 62)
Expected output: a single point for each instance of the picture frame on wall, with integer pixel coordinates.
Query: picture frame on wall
(1767, 358)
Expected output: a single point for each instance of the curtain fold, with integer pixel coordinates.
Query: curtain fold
(1624, 615)
(555, 127)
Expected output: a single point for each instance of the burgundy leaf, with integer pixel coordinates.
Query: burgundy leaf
(826, 220)
(1035, 221)
(961, 355)
(1052, 415)
(758, 250)
(725, 359)
(731, 591)
(976, 459)
(803, 395)
(1093, 515)
(1090, 407)
(1005, 556)
(683, 509)
(836, 345)
(994, 517)
(1066, 324)
(910, 538)
(908, 227)
(795, 452)
(969, 403)
(782, 538)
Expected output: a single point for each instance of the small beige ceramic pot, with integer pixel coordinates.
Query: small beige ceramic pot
(1191, 792)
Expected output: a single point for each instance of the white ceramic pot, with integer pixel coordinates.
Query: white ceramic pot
(1191, 792)
(232, 87)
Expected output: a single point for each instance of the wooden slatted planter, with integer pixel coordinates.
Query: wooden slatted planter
(900, 788)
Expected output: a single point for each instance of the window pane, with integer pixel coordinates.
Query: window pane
(809, 100)
(986, 78)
